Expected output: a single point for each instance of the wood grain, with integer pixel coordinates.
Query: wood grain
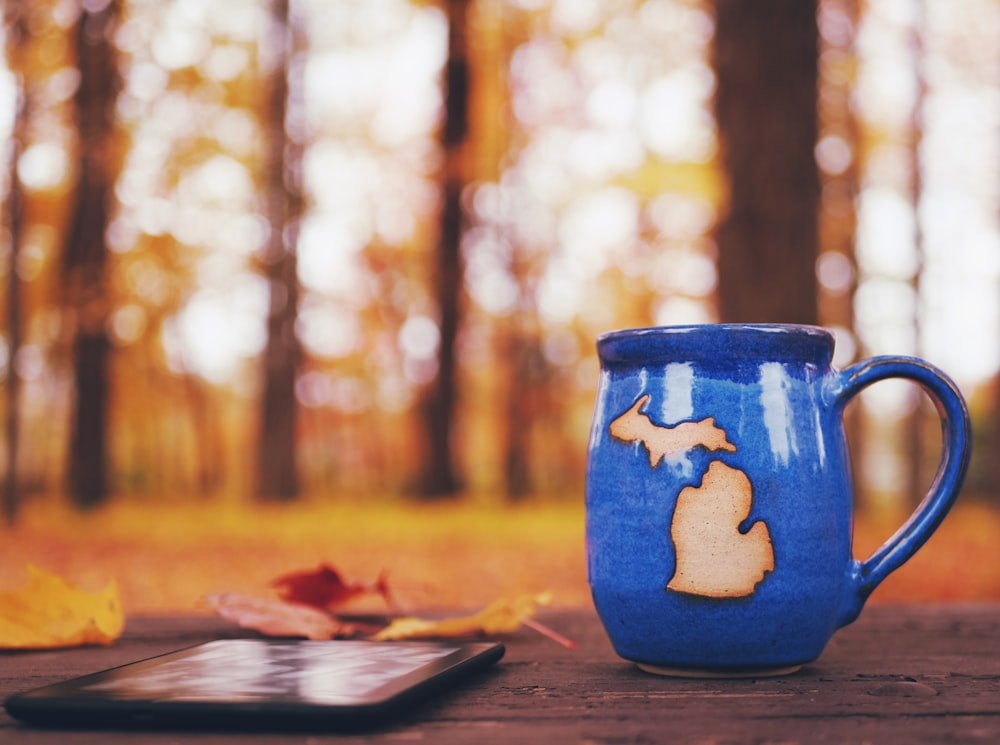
(901, 674)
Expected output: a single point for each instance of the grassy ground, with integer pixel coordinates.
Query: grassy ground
(167, 557)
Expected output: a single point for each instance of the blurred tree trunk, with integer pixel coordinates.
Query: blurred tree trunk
(277, 476)
(85, 259)
(16, 31)
(15, 201)
(991, 476)
(438, 406)
(840, 189)
(838, 220)
(766, 55)
(524, 373)
(14, 325)
(209, 451)
(520, 359)
(917, 480)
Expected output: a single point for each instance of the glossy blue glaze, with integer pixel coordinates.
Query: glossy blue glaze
(773, 393)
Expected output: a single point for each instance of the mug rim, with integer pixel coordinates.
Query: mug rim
(772, 328)
(782, 341)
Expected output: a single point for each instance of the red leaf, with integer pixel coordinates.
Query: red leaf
(324, 587)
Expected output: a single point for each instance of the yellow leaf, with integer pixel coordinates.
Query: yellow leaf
(49, 612)
(503, 616)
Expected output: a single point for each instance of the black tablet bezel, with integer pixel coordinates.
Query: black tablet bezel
(70, 703)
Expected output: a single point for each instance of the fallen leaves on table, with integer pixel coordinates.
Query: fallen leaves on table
(48, 612)
(503, 616)
(309, 599)
(279, 617)
(325, 587)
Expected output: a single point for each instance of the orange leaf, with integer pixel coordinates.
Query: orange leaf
(49, 612)
(502, 616)
(279, 618)
(324, 587)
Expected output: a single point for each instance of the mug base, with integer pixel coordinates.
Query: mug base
(718, 673)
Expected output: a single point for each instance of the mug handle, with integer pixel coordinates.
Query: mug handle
(865, 576)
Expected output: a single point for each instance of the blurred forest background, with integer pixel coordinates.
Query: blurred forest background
(318, 251)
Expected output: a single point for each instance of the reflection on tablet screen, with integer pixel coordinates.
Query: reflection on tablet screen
(252, 670)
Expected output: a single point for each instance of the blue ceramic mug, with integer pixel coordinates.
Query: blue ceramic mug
(719, 497)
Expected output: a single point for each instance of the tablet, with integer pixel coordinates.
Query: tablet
(258, 684)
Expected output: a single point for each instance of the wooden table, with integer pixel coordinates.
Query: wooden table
(901, 674)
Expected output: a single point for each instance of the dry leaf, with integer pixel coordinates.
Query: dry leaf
(309, 598)
(49, 612)
(324, 587)
(280, 618)
(502, 616)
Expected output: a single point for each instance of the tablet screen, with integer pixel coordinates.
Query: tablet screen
(342, 673)
(240, 682)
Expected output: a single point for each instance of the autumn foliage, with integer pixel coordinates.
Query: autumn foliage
(49, 612)
(324, 587)
(432, 563)
(311, 600)
(368, 267)
(372, 251)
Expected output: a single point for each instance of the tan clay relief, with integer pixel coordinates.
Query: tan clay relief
(714, 559)
(634, 426)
